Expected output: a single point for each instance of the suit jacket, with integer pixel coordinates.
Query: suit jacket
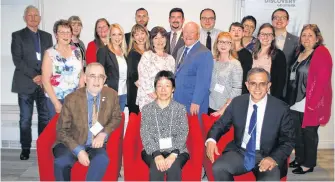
(180, 43)
(25, 60)
(290, 47)
(193, 77)
(109, 62)
(72, 126)
(277, 135)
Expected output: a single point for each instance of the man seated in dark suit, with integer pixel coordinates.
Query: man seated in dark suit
(175, 36)
(263, 133)
(87, 118)
(28, 46)
(142, 18)
(285, 41)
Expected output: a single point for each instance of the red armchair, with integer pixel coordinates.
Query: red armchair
(208, 121)
(45, 156)
(134, 167)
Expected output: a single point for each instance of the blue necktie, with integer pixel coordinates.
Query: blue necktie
(183, 56)
(250, 152)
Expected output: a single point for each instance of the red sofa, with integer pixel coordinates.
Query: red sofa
(208, 121)
(45, 156)
(134, 167)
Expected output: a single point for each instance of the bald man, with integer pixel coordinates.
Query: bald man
(193, 72)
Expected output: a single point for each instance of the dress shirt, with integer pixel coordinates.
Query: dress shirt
(178, 35)
(280, 40)
(122, 75)
(90, 113)
(259, 123)
(189, 48)
(203, 36)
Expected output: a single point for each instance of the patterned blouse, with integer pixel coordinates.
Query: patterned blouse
(174, 116)
(149, 65)
(65, 71)
(226, 82)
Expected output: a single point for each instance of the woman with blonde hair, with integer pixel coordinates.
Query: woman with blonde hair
(114, 59)
(226, 77)
(138, 44)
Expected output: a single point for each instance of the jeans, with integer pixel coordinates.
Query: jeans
(122, 101)
(26, 104)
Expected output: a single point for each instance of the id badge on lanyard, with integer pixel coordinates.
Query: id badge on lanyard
(164, 143)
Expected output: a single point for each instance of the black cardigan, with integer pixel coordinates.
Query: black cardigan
(109, 62)
(278, 74)
(245, 58)
(133, 59)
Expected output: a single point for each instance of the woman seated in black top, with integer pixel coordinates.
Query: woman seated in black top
(164, 130)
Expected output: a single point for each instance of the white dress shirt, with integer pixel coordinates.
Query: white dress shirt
(261, 105)
(189, 48)
(122, 75)
(178, 35)
(203, 36)
(280, 40)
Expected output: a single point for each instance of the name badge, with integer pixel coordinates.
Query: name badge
(292, 76)
(219, 88)
(96, 128)
(38, 56)
(165, 143)
(246, 138)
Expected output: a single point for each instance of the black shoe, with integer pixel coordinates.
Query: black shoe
(299, 170)
(294, 164)
(25, 154)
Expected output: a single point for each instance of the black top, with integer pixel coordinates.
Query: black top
(245, 58)
(278, 74)
(296, 87)
(134, 58)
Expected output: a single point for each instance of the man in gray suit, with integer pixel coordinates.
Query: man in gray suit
(175, 37)
(28, 46)
(285, 41)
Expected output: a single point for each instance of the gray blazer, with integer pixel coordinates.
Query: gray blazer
(290, 46)
(180, 43)
(25, 60)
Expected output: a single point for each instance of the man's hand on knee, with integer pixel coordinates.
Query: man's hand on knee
(267, 164)
(210, 149)
(83, 158)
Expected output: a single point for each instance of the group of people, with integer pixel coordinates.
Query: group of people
(285, 81)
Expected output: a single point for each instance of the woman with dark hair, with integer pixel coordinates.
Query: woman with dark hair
(138, 44)
(309, 93)
(113, 57)
(77, 25)
(164, 130)
(100, 40)
(153, 61)
(243, 54)
(267, 56)
(62, 68)
(249, 23)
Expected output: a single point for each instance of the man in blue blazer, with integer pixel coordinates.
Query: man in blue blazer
(193, 72)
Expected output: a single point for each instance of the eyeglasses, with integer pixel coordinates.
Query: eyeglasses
(280, 17)
(99, 77)
(260, 85)
(207, 18)
(221, 42)
(266, 34)
(248, 26)
(64, 33)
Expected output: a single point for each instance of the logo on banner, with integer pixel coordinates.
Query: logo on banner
(282, 3)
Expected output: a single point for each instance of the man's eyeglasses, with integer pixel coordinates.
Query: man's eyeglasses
(207, 18)
(261, 85)
(280, 17)
(95, 77)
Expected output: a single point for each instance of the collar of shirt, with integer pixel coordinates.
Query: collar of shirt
(190, 47)
(159, 108)
(178, 35)
(281, 36)
(90, 96)
(261, 103)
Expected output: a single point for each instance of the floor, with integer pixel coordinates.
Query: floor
(13, 169)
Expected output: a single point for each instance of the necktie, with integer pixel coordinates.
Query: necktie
(183, 57)
(209, 41)
(173, 42)
(94, 112)
(250, 152)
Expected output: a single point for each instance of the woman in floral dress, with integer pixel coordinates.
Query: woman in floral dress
(62, 69)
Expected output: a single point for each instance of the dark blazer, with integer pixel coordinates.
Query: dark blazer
(277, 135)
(180, 43)
(245, 58)
(134, 58)
(109, 61)
(72, 125)
(25, 60)
(278, 74)
(290, 47)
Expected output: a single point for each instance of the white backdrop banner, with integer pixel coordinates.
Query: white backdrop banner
(298, 10)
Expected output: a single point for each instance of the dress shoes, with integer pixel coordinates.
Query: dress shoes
(299, 170)
(24, 154)
(294, 164)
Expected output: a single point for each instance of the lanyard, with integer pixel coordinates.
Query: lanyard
(159, 133)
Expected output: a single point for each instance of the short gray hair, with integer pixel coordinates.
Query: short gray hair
(94, 64)
(28, 8)
(258, 70)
